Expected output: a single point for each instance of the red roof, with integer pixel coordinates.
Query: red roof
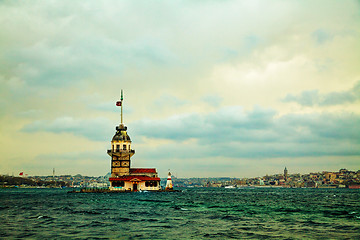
(142, 170)
(134, 178)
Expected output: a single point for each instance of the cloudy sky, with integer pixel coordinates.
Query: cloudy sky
(212, 88)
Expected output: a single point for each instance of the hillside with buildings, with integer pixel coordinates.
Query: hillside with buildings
(341, 179)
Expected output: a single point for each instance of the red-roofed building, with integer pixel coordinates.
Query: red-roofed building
(134, 178)
(140, 171)
(124, 178)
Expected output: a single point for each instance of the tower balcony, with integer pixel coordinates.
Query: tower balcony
(121, 153)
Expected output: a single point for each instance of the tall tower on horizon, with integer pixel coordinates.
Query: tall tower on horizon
(124, 178)
(120, 151)
(285, 174)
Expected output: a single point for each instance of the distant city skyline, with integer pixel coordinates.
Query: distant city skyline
(215, 88)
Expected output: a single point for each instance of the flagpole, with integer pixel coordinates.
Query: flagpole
(121, 99)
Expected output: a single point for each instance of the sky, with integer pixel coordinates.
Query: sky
(211, 88)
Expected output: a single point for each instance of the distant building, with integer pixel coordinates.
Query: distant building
(285, 174)
(330, 176)
(123, 177)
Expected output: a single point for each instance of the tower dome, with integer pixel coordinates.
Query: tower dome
(121, 134)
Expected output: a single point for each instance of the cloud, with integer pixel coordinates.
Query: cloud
(313, 97)
(202, 64)
(97, 129)
(306, 98)
(167, 100)
(233, 132)
(50, 64)
(68, 163)
(321, 36)
(213, 100)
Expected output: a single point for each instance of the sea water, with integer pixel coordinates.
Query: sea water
(194, 213)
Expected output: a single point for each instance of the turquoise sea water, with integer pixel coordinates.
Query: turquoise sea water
(195, 213)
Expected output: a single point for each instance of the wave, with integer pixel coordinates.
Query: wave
(152, 200)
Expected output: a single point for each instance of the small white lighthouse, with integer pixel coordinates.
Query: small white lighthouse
(169, 185)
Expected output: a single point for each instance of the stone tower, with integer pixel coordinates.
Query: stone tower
(123, 177)
(285, 174)
(120, 151)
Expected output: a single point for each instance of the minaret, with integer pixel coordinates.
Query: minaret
(120, 151)
(285, 174)
(169, 185)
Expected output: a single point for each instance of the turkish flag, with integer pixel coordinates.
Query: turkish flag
(22, 173)
(118, 103)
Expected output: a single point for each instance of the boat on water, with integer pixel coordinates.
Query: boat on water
(232, 186)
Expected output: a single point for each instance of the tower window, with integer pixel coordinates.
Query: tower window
(118, 148)
(118, 184)
(124, 147)
(151, 184)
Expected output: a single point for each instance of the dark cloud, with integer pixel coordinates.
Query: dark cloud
(228, 123)
(53, 64)
(321, 36)
(306, 98)
(72, 156)
(232, 132)
(313, 97)
(98, 129)
(69, 58)
(70, 163)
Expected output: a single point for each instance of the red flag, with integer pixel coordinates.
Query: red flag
(22, 173)
(118, 103)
